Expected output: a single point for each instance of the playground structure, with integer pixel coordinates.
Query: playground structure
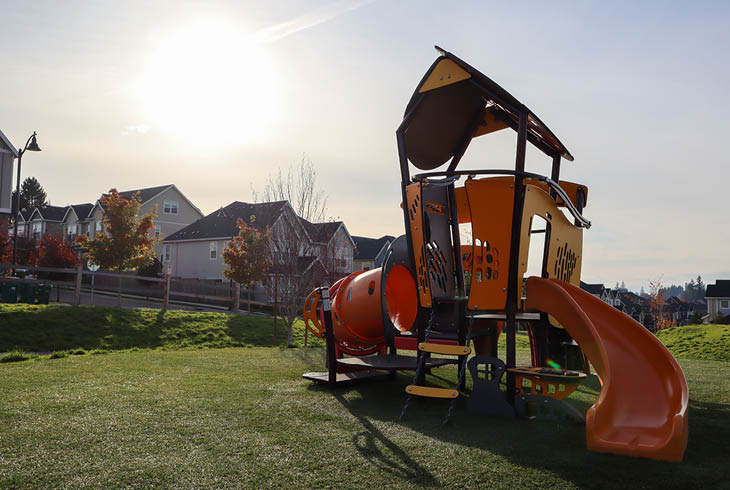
(435, 295)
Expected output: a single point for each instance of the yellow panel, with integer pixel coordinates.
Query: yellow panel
(445, 73)
(448, 350)
(415, 216)
(431, 392)
(490, 203)
(566, 240)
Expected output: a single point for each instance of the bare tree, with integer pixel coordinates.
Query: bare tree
(298, 185)
(295, 266)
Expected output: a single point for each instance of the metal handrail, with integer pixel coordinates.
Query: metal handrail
(452, 176)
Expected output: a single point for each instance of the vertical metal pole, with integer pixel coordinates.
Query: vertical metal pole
(276, 306)
(330, 337)
(92, 290)
(166, 297)
(17, 211)
(555, 174)
(514, 286)
(581, 200)
(77, 290)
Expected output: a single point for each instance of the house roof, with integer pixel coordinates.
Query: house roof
(50, 213)
(592, 288)
(222, 223)
(26, 213)
(82, 211)
(721, 289)
(149, 193)
(369, 248)
(321, 232)
(144, 194)
(8, 144)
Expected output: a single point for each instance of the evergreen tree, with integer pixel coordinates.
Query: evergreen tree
(700, 288)
(32, 194)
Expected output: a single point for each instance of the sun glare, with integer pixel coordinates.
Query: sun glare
(209, 82)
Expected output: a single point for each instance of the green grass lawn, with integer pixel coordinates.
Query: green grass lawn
(244, 417)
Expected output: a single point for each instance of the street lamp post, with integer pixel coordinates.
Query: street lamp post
(31, 145)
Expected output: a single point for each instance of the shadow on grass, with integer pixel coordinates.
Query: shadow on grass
(395, 462)
(546, 446)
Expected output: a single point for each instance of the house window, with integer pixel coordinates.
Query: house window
(72, 229)
(36, 227)
(724, 303)
(98, 226)
(213, 250)
(166, 252)
(170, 207)
(157, 231)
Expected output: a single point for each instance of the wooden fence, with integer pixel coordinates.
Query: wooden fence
(163, 288)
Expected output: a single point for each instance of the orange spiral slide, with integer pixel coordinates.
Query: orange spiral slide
(642, 407)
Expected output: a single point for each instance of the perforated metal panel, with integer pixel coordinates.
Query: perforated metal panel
(437, 239)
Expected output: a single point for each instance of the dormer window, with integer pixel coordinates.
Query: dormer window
(170, 207)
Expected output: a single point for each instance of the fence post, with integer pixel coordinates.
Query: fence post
(77, 291)
(166, 294)
(236, 296)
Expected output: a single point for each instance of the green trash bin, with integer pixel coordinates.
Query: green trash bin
(8, 292)
(28, 293)
(44, 294)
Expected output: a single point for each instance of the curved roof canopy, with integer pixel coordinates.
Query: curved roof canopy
(453, 103)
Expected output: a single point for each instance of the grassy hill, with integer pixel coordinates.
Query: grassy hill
(711, 342)
(58, 328)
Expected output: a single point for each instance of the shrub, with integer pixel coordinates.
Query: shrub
(14, 356)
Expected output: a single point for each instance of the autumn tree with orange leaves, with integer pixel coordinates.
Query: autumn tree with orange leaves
(125, 243)
(656, 304)
(247, 256)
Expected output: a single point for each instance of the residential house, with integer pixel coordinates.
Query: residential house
(174, 211)
(595, 289)
(699, 306)
(637, 308)
(76, 221)
(370, 252)
(8, 153)
(196, 250)
(333, 245)
(23, 226)
(718, 300)
(630, 303)
(678, 310)
(45, 221)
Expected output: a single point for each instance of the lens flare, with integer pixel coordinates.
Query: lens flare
(553, 364)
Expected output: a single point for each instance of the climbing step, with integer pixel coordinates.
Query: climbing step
(449, 350)
(431, 392)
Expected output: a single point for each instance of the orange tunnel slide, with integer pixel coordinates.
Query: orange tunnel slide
(642, 407)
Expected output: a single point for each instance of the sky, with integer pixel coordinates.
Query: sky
(213, 96)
